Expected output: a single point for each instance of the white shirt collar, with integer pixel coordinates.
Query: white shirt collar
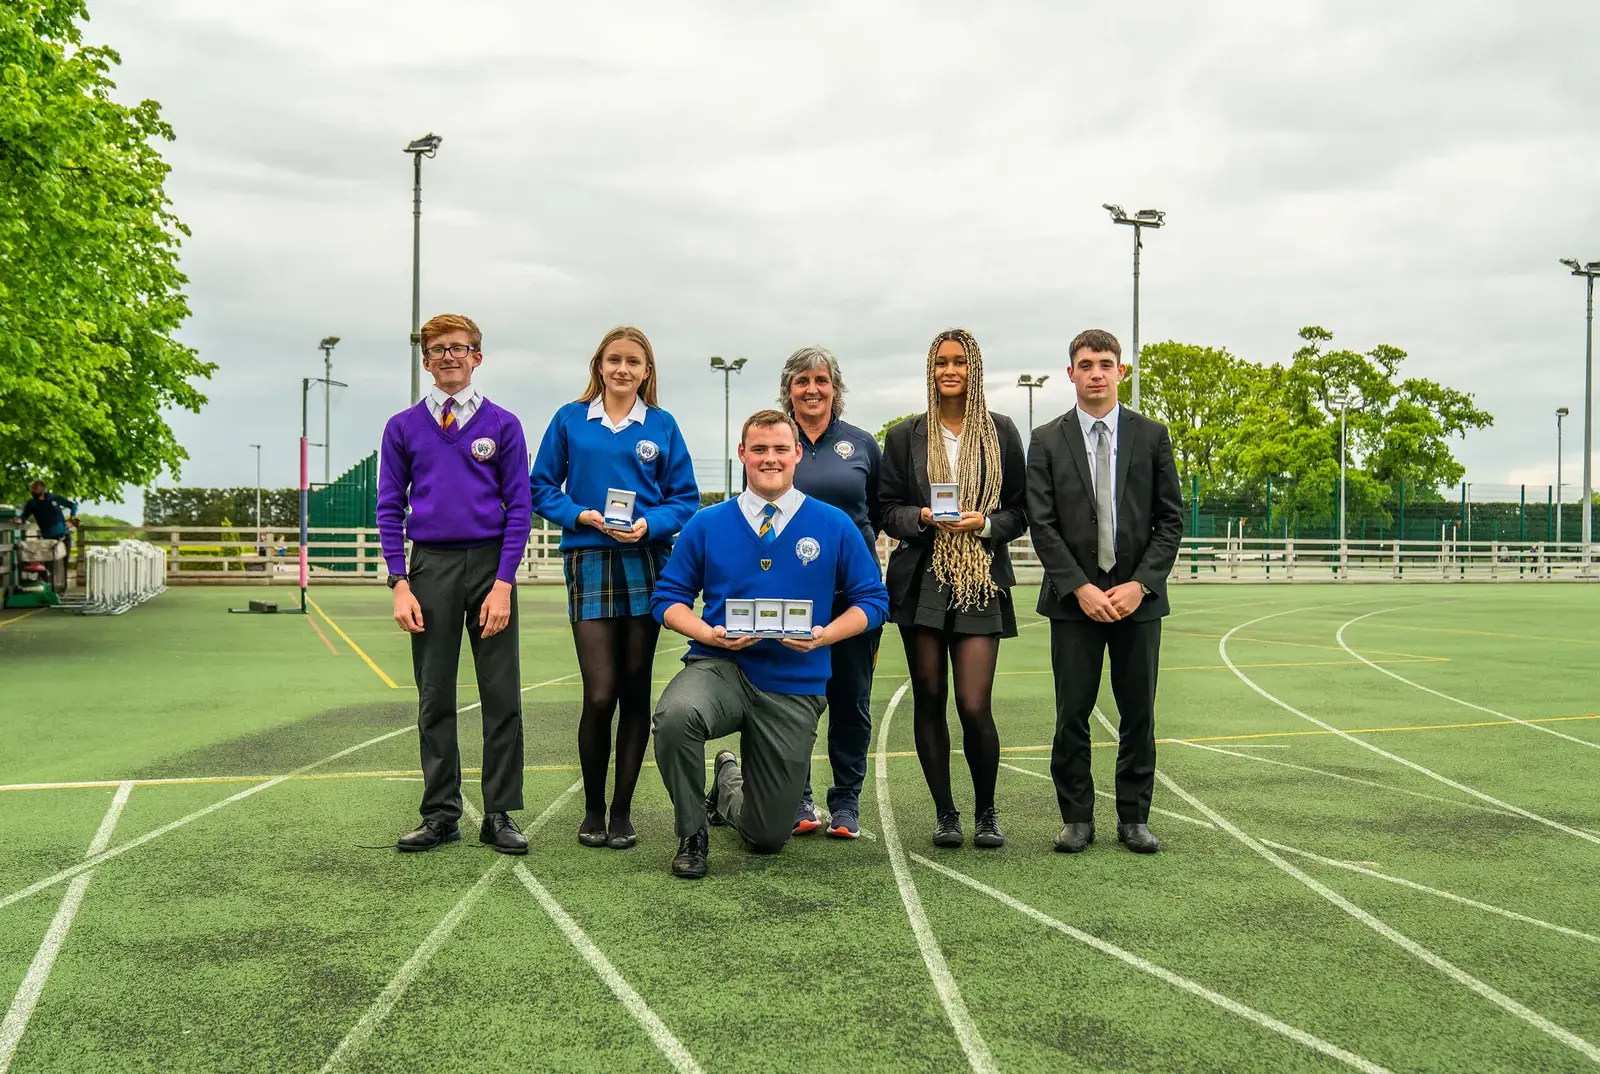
(636, 416)
(788, 503)
(1086, 421)
(466, 395)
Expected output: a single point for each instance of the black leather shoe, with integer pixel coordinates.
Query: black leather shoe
(947, 830)
(433, 833)
(713, 816)
(1074, 836)
(592, 832)
(693, 852)
(1137, 838)
(620, 834)
(986, 831)
(500, 832)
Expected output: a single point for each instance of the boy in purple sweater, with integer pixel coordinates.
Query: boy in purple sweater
(460, 464)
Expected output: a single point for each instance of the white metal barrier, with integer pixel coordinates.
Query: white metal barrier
(123, 575)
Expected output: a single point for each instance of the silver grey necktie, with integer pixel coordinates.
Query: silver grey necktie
(1107, 552)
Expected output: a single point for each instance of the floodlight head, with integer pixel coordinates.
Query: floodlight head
(329, 343)
(1038, 382)
(738, 364)
(1571, 263)
(717, 362)
(1114, 209)
(1562, 412)
(427, 145)
(1591, 268)
(1153, 217)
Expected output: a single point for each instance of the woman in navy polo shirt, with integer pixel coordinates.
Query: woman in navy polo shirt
(839, 466)
(614, 437)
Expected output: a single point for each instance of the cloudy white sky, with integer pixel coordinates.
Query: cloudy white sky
(742, 179)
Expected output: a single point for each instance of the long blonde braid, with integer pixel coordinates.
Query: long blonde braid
(960, 560)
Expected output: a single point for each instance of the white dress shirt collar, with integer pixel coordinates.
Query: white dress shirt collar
(466, 403)
(1112, 419)
(597, 410)
(752, 505)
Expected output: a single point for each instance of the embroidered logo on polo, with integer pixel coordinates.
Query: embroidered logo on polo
(483, 449)
(647, 450)
(844, 449)
(807, 549)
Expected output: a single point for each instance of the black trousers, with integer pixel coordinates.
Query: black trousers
(1077, 654)
(850, 717)
(451, 585)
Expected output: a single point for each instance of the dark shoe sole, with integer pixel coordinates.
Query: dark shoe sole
(622, 842)
(1143, 848)
(1065, 848)
(593, 839)
(948, 842)
(686, 874)
(412, 848)
(498, 849)
(989, 842)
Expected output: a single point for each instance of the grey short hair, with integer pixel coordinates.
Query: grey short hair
(809, 358)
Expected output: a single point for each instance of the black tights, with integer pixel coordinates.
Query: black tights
(616, 657)
(972, 658)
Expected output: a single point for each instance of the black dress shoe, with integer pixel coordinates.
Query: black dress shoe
(713, 816)
(986, 831)
(1074, 836)
(500, 832)
(947, 830)
(620, 834)
(693, 852)
(433, 833)
(592, 832)
(1137, 838)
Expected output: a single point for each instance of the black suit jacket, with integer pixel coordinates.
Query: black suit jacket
(903, 493)
(1061, 512)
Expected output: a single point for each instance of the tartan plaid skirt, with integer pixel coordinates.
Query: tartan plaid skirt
(612, 583)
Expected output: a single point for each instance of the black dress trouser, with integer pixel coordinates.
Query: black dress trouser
(451, 585)
(1077, 655)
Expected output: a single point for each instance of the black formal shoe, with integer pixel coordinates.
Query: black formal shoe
(1074, 836)
(1138, 838)
(592, 832)
(947, 830)
(433, 833)
(693, 851)
(500, 832)
(986, 832)
(714, 817)
(620, 834)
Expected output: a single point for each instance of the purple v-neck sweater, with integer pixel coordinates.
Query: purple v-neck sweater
(466, 485)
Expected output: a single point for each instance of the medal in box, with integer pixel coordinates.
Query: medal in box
(769, 618)
(797, 618)
(739, 618)
(944, 500)
(619, 509)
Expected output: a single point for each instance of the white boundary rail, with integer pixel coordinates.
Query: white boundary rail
(122, 575)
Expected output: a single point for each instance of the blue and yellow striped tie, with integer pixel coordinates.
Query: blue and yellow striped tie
(766, 532)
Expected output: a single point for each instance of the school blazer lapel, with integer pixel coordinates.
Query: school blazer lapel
(919, 457)
(1127, 433)
(1072, 432)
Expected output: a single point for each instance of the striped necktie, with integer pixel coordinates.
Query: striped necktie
(766, 533)
(448, 418)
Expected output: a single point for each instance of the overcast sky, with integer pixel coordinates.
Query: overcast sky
(742, 179)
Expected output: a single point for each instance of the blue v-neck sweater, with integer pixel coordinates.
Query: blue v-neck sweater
(465, 485)
(819, 554)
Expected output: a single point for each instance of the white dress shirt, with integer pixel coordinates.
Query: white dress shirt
(752, 505)
(1112, 420)
(467, 400)
(952, 451)
(597, 410)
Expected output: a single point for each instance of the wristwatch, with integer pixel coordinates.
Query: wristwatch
(396, 579)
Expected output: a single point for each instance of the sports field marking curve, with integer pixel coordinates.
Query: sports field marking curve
(1393, 935)
(385, 1002)
(1107, 794)
(1441, 694)
(1222, 648)
(44, 960)
(1452, 896)
(1249, 1014)
(955, 1008)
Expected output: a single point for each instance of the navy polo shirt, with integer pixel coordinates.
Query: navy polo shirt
(841, 469)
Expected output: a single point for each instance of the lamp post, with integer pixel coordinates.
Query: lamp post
(1588, 272)
(726, 368)
(1138, 221)
(1031, 382)
(426, 146)
(327, 345)
(1342, 401)
(305, 481)
(258, 492)
(1561, 412)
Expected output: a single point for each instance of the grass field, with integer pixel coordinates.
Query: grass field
(1357, 870)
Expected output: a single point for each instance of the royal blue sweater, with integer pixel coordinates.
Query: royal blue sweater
(579, 459)
(464, 485)
(819, 553)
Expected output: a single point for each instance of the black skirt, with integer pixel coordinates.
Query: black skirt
(931, 608)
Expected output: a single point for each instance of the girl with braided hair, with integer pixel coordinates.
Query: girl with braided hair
(950, 582)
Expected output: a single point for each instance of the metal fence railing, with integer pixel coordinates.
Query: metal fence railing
(121, 575)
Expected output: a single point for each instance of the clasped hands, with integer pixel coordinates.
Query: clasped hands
(718, 638)
(971, 521)
(1109, 605)
(629, 536)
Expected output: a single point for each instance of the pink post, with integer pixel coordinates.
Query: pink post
(305, 487)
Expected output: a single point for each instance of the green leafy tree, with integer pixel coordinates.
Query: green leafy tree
(892, 422)
(1197, 392)
(90, 292)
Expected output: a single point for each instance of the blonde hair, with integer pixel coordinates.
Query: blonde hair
(449, 322)
(960, 560)
(597, 386)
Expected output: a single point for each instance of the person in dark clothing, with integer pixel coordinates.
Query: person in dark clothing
(950, 581)
(55, 515)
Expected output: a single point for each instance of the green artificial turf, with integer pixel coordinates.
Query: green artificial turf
(257, 936)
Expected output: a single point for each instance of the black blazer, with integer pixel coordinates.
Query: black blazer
(1061, 512)
(903, 493)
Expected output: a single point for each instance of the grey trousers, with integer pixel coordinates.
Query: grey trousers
(711, 698)
(451, 585)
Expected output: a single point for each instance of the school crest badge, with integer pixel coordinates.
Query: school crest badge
(647, 450)
(844, 449)
(766, 564)
(483, 449)
(807, 549)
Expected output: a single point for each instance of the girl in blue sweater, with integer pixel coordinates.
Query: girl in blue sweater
(614, 437)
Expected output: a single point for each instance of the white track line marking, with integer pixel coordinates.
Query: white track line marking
(1349, 779)
(44, 961)
(1250, 1014)
(1414, 886)
(1436, 693)
(1107, 794)
(1222, 648)
(362, 1031)
(1394, 936)
(955, 1008)
(117, 851)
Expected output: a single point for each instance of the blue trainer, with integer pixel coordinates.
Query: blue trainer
(844, 825)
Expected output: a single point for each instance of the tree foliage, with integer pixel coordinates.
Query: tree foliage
(892, 422)
(212, 507)
(90, 292)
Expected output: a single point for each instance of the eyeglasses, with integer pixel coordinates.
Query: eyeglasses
(460, 350)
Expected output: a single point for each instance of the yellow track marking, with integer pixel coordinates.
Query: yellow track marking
(358, 650)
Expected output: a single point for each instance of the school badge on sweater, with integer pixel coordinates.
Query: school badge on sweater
(483, 449)
(807, 549)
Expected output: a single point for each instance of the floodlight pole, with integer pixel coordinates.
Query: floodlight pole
(258, 491)
(426, 146)
(1561, 412)
(1586, 508)
(327, 345)
(1142, 219)
(1031, 382)
(726, 368)
(305, 482)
